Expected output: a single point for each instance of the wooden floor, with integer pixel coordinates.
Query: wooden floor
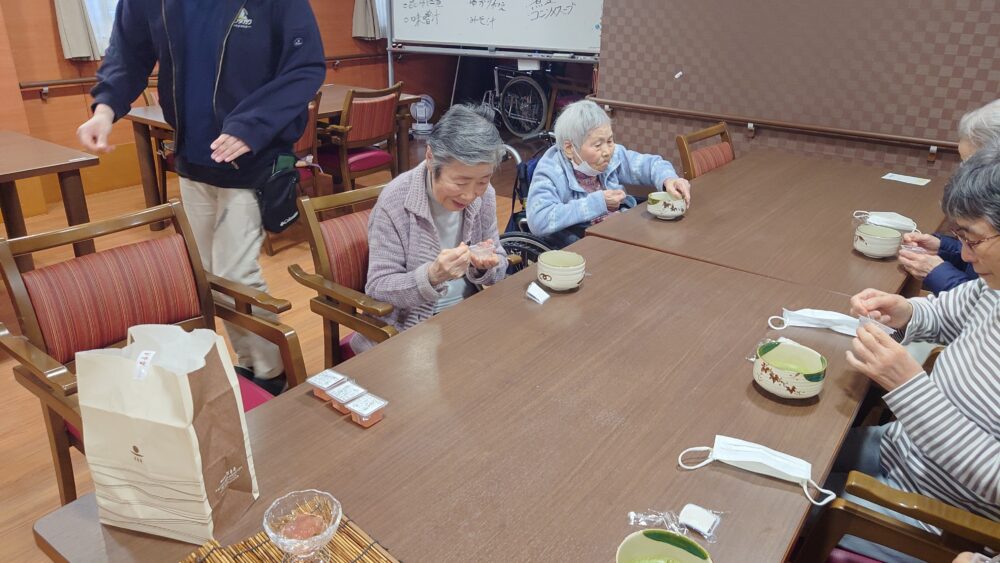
(27, 481)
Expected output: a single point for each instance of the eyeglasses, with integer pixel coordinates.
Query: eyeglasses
(972, 244)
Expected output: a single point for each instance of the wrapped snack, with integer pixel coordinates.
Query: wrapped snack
(324, 381)
(367, 409)
(343, 394)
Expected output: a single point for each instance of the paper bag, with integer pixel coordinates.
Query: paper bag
(165, 435)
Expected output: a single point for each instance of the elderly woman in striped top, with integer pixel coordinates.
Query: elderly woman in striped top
(945, 442)
(421, 228)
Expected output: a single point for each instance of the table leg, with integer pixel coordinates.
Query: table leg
(13, 219)
(403, 141)
(147, 168)
(75, 204)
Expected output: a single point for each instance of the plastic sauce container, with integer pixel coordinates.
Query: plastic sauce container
(343, 394)
(367, 409)
(324, 381)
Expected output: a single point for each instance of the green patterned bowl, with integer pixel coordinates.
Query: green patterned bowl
(789, 370)
(660, 546)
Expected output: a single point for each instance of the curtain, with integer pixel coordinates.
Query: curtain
(75, 33)
(370, 19)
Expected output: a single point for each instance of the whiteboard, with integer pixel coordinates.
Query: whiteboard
(571, 26)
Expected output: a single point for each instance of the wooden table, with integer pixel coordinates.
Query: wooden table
(520, 432)
(785, 216)
(330, 106)
(23, 157)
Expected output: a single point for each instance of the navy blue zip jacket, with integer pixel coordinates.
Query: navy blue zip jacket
(271, 65)
(953, 271)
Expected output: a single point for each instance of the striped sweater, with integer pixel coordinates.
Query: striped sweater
(403, 243)
(945, 442)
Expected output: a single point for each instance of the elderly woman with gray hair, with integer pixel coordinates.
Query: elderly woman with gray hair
(945, 441)
(432, 232)
(581, 179)
(940, 264)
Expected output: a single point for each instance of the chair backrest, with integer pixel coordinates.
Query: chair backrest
(702, 160)
(308, 143)
(151, 95)
(339, 244)
(90, 301)
(371, 115)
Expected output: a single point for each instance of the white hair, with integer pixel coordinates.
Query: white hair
(466, 134)
(981, 126)
(577, 120)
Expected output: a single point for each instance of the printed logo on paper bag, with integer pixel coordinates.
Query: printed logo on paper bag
(136, 455)
(232, 475)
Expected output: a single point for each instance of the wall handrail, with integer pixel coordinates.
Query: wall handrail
(753, 124)
(45, 85)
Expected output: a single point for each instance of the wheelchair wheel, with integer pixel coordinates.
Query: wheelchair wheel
(523, 106)
(524, 245)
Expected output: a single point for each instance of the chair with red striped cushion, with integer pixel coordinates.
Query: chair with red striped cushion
(339, 247)
(367, 121)
(90, 301)
(705, 159)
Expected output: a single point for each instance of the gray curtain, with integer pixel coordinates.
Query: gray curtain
(366, 25)
(75, 32)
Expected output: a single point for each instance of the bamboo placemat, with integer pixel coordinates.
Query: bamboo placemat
(349, 545)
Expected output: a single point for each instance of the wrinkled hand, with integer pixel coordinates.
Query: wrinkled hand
(678, 187)
(930, 243)
(93, 134)
(886, 308)
(228, 148)
(969, 557)
(918, 265)
(614, 198)
(450, 264)
(485, 259)
(885, 361)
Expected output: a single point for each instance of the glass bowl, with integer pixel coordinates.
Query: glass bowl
(302, 522)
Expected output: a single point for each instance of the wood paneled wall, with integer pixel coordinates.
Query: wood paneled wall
(30, 50)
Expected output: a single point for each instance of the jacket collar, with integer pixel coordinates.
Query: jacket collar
(418, 202)
(567, 167)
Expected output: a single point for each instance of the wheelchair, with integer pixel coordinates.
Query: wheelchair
(516, 239)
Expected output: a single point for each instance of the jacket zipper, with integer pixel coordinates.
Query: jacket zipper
(218, 70)
(173, 75)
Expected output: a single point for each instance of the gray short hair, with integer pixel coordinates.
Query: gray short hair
(577, 120)
(973, 192)
(981, 126)
(466, 133)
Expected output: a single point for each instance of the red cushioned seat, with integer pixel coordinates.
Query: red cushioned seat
(358, 160)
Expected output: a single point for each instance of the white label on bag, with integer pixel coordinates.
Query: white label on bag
(142, 364)
(906, 179)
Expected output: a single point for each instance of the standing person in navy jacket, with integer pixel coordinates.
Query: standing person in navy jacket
(235, 78)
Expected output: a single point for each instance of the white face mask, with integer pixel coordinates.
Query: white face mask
(759, 459)
(584, 167)
(889, 219)
(815, 318)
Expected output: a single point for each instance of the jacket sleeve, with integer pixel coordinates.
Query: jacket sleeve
(551, 207)
(941, 318)
(300, 71)
(644, 169)
(489, 230)
(945, 276)
(951, 251)
(388, 278)
(130, 57)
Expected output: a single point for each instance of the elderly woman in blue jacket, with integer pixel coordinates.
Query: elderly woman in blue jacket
(580, 180)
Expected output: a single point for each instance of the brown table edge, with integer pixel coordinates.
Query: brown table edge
(67, 166)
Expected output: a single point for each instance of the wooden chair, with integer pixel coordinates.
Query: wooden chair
(700, 161)
(340, 256)
(962, 530)
(312, 180)
(90, 302)
(163, 143)
(368, 118)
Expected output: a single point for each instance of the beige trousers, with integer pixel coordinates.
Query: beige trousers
(227, 229)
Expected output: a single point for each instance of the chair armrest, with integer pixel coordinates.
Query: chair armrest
(513, 259)
(41, 365)
(245, 295)
(339, 293)
(281, 335)
(954, 520)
